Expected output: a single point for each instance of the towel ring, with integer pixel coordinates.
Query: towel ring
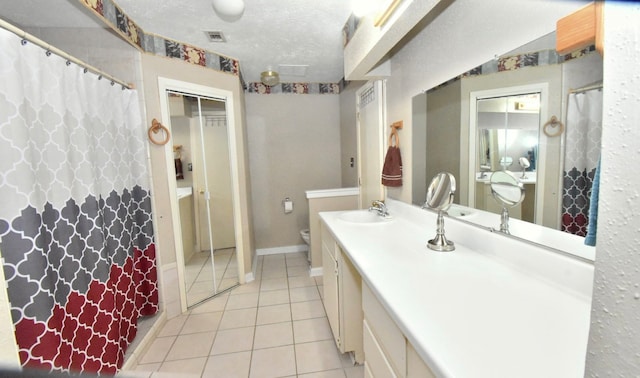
(553, 127)
(155, 128)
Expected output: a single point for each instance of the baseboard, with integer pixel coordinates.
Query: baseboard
(315, 272)
(251, 276)
(285, 249)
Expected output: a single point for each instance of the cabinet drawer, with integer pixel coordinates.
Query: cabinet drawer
(376, 362)
(386, 332)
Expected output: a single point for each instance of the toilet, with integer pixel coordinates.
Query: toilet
(305, 235)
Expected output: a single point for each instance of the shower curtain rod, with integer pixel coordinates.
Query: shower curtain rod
(586, 88)
(33, 39)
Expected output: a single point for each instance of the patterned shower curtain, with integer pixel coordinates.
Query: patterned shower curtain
(76, 233)
(582, 152)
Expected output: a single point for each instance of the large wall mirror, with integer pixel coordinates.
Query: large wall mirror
(493, 118)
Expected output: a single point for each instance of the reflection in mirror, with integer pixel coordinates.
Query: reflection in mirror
(201, 159)
(439, 197)
(508, 191)
(507, 138)
(442, 117)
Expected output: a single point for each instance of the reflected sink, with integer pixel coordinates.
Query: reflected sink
(458, 211)
(363, 217)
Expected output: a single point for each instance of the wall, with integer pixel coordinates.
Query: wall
(294, 144)
(348, 134)
(614, 340)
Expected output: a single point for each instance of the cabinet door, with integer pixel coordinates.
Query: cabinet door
(330, 283)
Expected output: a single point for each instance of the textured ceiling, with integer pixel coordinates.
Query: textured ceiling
(269, 33)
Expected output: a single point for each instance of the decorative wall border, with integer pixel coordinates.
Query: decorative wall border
(151, 43)
(520, 61)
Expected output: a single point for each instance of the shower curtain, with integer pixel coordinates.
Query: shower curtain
(75, 213)
(582, 152)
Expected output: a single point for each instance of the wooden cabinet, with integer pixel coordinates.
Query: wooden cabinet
(387, 351)
(342, 297)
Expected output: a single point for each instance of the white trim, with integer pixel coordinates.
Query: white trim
(326, 193)
(315, 272)
(285, 249)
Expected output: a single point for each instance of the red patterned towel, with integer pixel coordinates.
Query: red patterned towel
(392, 169)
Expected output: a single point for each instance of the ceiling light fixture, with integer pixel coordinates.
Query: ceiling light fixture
(228, 10)
(269, 77)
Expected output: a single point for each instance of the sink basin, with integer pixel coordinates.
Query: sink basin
(459, 211)
(363, 217)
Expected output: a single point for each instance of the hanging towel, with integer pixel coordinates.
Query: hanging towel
(392, 169)
(590, 238)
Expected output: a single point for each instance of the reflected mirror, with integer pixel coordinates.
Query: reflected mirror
(439, 197)
(508, 191)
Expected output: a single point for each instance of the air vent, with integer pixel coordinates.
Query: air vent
(215, 36)
(293, 69)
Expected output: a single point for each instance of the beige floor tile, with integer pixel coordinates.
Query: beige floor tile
(147, 367)
(239, 301)
(303, 294)
(273, 362)
(157, 350)
(273, 314)
(355, 371)
(337, 373)
(312, 330)
(274, 284)
(238, 318)
(191, 346)
(278, 272)
(321, 291)
(318, 279)
(307, 310)
(173, 326)
(188, 366)
(249, 287)
(232, 365)
(273, 335)
(296, 271)
(301, 281)
(197, 323)
(269, 298)
(317, 356)
(233, 340)
(297, 259)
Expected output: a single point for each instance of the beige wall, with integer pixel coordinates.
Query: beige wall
(294, 144)
(154, 67)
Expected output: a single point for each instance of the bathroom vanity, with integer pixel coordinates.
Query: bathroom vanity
(494, 307)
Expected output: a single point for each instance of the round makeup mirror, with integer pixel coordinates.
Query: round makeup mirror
(506, 188)
(440, 192)
(439, 197)
(507, 191)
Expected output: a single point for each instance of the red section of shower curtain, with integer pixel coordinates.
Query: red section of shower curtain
(92, 331)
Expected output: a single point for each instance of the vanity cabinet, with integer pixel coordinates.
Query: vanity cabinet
(387, 351)
(342, 297)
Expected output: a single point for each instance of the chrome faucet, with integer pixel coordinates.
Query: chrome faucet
(379, 207)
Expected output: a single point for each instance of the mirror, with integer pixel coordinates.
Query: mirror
(439, 197)
(440, 191)
(445, 139)
(508, 191)
(203, 180)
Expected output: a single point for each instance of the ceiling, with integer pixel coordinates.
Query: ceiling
(269, 33)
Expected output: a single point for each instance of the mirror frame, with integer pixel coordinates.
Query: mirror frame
(543, 89)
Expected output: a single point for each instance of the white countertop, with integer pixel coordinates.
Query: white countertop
(494, 307)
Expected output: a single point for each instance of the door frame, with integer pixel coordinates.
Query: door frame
(165, 84)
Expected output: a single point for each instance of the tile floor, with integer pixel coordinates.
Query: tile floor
(199, 274)
(275, 326)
